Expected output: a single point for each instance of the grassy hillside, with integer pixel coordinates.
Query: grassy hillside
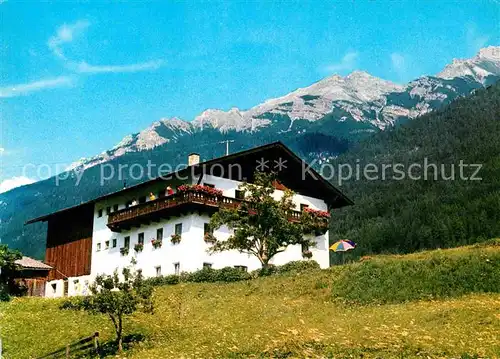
(401, 216)
(311, 314)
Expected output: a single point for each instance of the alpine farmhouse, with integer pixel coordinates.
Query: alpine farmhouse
(162, 223)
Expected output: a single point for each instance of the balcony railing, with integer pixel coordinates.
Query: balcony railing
(159, 206)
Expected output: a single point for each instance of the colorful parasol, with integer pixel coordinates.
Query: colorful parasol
(343, 246)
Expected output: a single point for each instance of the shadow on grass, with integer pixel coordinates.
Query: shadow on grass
(111, 347)
(88, 351)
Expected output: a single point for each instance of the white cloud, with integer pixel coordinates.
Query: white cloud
(66, 34)
(8, 184)
(474, 39)
(24, 89)
(2, 150)
(398, 63)
(84, 67)
(348, 63)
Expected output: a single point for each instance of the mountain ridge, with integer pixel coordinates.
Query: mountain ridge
(362, 97)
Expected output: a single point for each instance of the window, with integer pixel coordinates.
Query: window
(158, 271)
(106, 245)
(242, 268)
(140, 238)
(114, 242)
(65, 287)
(178, 228)
(303, 206)
(98, 247)
(99, 213)
(239, 194)
(207, 265)
(207, 229)
(115, 207)
(54, 287)
(142, 199)
(108, 210)
(126, 242)
(159, 233)
(177, 268)
(209, 185)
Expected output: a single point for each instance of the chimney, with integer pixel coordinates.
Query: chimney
(193, 159)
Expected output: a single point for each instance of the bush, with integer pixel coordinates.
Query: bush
(230, 274)
(203, 275)
(297, 267)
(226, 274)
(4, 293)
(163, 280)
(264, 272)
(421, 276)
(74, 303)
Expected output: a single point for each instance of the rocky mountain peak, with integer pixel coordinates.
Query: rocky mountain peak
(485, 64)
(490, 53)
(176, 123)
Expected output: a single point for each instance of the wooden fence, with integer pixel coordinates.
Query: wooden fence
(86, 345)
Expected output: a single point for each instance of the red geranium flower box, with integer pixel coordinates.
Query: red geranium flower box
(200, 189)
(317, 212)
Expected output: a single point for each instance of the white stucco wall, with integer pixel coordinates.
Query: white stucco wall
(50, 292)
(190, 253)
(76, 286)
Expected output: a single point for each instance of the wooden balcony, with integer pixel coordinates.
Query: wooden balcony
(175, 205)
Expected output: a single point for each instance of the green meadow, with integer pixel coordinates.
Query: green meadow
(434, 304)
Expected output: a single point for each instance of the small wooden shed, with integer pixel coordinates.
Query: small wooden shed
(32, 276)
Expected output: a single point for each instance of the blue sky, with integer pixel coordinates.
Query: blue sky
(77, 77)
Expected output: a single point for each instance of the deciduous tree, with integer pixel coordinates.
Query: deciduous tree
(261, 225)
(8, 269)
(116, 296)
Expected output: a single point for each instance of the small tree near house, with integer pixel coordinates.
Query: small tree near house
(261, 225)
(8, 271)
(116, 297)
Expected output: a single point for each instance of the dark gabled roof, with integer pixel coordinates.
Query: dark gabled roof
(312, 181)
(61, 211)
